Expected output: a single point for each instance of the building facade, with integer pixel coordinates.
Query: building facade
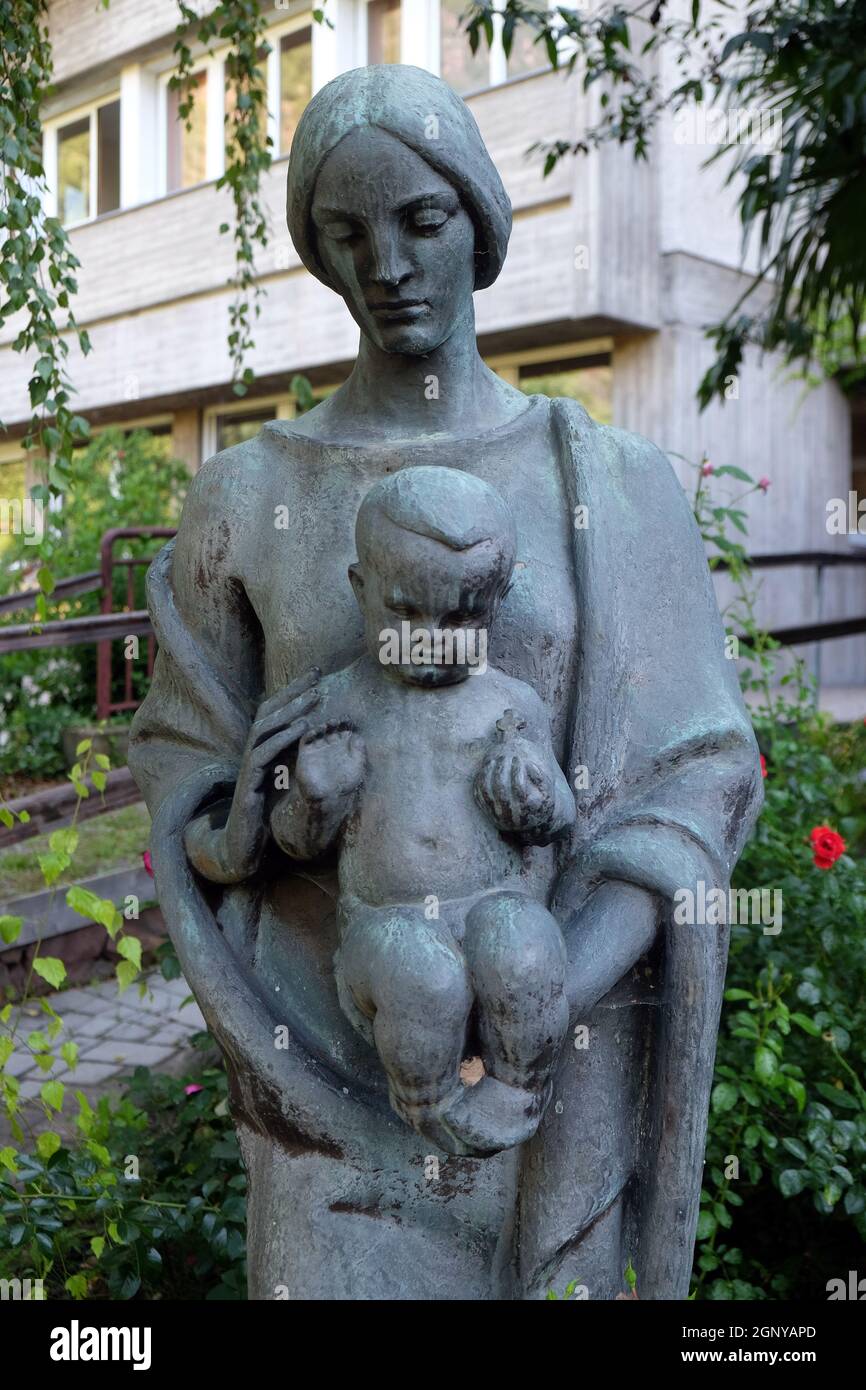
(614, 269)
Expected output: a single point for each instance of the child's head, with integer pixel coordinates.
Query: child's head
(436, 548)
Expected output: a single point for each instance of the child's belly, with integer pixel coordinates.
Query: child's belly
(409, 849)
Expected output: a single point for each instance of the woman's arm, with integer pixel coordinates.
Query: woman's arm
(225, 844)
(615, 927)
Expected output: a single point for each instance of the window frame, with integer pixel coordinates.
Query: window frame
(50, 146)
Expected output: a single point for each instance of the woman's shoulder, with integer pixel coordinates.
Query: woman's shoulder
(632, 458)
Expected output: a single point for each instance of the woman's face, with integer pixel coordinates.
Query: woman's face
(396, 242)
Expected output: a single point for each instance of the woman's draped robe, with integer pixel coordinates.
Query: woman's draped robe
(345, 1201)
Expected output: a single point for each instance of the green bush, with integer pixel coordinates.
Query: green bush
(784, 1206)
(118, 480)
(76, 1216)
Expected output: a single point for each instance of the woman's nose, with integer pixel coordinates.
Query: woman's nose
(389, 264)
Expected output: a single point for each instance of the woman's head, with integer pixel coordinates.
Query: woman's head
(394, 202)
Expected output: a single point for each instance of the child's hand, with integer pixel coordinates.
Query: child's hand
(331, 763)
(515, 788)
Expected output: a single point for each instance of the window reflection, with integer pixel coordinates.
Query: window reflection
(187, 149)
(73, 171)
(383, 31)
(296, 82)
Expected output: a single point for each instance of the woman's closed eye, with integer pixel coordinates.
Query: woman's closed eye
(341, 229)
(427, 220)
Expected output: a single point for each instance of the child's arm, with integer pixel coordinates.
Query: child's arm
(306, 822)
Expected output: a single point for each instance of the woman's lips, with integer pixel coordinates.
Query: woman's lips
(396, 309)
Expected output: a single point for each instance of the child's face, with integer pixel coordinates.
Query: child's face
(428, 609)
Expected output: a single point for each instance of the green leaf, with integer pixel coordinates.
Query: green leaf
(7, 1160)
(52, 1093)
(76, 1285)
(707, 1225)
(130, 948)
(766, 1063)
(807, 1024)
(791, 1182)
(725, 1097)
(97, 1245)
(98, 779)
(69, 1053)
(83, 747)
(127, 973)
(47, 1144)
(10, 929)
(51, 969)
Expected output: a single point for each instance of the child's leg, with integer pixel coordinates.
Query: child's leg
(408, 976)
(517, 961)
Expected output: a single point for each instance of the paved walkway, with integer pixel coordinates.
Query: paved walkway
(114, 1032)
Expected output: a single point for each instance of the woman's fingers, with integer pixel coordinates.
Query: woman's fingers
(288, 693)
(283, 715)
(264, 753)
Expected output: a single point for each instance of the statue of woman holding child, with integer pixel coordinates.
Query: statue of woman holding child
(422, 891)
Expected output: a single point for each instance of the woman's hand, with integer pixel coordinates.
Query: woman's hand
(231, 853)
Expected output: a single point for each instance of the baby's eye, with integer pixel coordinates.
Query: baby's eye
(428, 219)
(458, 618)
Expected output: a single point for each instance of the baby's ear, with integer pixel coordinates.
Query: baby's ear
(356, 579)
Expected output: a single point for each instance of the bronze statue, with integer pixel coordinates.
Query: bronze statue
(606, 753)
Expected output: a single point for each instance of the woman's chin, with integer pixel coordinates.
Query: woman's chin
(406, 339)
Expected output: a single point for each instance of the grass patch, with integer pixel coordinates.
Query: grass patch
(112, 841)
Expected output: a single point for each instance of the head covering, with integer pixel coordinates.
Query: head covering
(424, 113)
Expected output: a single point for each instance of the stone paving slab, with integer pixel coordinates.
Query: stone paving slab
(114, 1032)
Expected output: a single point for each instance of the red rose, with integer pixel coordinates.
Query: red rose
(827, 846)
(763, 766)
(146, 861)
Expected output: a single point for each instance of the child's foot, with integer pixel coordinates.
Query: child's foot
(479, 1120)
(491, 1116)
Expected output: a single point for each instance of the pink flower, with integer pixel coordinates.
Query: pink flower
(191, 1090)
(707, 468)
(763, 766)
(764, 483)
(147, 862)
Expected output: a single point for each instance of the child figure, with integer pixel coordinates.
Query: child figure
(431, 783)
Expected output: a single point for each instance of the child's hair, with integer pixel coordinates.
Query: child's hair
(444, 504)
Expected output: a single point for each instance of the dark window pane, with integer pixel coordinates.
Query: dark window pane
(296, 82)
(73, 171)
(234, 429)
(108, 157)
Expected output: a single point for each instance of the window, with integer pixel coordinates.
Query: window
(73, 171)
(588, 381)
(296, 83)
(234, 427)
(88, 164)
(466, 71)
(186, 161)
(383, 31)
(526, 55)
